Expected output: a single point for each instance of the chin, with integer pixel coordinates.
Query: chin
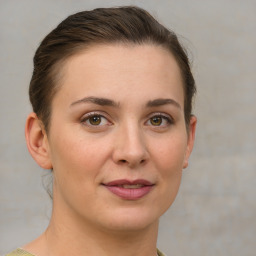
(132, 219)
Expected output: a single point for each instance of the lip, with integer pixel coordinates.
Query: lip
(136, 193)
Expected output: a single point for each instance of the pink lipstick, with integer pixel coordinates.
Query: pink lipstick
(129, 190)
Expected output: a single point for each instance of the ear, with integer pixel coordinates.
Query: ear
(37, 141)
(191, 138)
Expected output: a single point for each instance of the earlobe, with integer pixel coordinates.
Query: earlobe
(191, 139)
(37, 141)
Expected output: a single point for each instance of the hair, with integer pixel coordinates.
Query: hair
(127, 25)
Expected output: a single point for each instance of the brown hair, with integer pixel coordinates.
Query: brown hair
(77, 32)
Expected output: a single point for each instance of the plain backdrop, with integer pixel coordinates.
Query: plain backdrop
(215, 211)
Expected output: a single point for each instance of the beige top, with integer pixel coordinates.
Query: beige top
(21, 252)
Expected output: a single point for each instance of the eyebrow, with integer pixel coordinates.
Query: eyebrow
(161, 102)
(111, 103)
(97, 101)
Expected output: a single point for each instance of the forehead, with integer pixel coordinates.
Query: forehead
(122, 69)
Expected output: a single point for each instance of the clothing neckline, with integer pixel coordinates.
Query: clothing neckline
(23, 252)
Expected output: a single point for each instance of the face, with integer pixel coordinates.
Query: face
(118, 140)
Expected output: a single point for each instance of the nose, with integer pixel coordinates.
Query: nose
(130, 147)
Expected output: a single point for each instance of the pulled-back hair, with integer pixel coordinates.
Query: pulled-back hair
(127, 25)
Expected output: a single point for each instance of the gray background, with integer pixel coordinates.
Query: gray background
(215, 211)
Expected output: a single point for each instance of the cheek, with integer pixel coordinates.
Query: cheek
(75, 168)
(78, 158)
(170, 153)
(170, 157)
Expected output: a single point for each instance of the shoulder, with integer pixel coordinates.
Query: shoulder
(19, 252)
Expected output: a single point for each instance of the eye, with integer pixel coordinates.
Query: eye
(156, 120)
(93, 119)
(159, 120)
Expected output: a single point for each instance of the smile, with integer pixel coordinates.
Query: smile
(129, 190)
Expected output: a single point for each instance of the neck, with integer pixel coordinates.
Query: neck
(69, 236)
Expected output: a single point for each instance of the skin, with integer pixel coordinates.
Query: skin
(134, 135)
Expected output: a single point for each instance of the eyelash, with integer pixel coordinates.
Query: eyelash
(162, 116)
(87, 117)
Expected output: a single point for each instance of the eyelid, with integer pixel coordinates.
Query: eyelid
(162, 114)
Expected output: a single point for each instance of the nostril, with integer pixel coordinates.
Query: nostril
(143, 161)
(125, 161)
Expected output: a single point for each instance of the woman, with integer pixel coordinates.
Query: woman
(111, 93)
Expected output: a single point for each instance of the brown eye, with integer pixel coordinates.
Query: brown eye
(94, 120)
(160, 121)
(156, 120)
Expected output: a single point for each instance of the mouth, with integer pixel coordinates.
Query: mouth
(131, 186)
(129, 190)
